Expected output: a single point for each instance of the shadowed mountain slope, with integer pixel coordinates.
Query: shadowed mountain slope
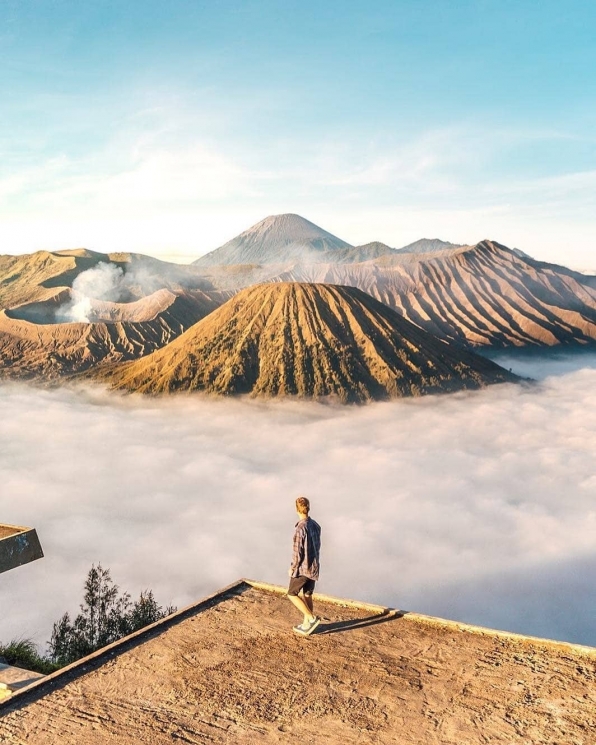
(274, 240)
(484, 295)
(30, 277)
(310, 341)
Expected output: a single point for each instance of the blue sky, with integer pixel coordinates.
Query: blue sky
(168, 127)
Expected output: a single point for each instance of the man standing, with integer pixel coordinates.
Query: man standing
(304, 570)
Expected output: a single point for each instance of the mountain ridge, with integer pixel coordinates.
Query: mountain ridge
(479, 296)
(429, 245)
(485, 295)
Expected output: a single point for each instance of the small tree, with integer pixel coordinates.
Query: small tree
(146, 611)
(106, 616)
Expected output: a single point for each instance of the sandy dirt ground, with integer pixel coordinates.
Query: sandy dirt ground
(235, 673)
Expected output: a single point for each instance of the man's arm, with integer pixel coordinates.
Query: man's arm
(297, 551)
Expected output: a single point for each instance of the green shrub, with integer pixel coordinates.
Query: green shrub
(23, 653)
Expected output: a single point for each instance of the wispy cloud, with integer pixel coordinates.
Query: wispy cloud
(155, 187)
(438, 159)
(144, 178)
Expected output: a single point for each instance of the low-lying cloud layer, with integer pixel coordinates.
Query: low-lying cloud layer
(477, 506)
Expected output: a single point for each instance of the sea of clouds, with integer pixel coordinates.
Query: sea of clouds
(475, 506)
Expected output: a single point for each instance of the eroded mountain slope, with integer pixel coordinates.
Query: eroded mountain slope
(485, 295)
(306, 340)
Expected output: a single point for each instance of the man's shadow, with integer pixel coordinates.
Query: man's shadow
(389, 614)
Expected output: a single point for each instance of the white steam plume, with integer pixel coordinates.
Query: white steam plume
(111, 282)
(101, 282)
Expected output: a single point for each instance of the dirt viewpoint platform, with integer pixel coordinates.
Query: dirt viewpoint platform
(229, 670)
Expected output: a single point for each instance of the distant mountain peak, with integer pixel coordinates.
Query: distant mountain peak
(274, 240)
(290, 228)
(287, 221)
(428, 245)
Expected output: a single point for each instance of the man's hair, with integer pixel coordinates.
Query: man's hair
(303, 505)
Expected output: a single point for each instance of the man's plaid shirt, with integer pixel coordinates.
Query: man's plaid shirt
(306, 549)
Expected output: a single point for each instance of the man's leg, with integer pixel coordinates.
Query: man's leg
(308, 603)
(303, 607)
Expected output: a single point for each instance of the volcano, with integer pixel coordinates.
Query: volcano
(275, 240)
(306, 340)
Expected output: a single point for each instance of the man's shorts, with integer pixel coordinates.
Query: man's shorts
(305, 584)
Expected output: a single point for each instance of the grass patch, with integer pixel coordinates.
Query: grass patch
(23, 653)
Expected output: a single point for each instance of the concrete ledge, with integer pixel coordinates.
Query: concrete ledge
(343, 602)
(18, 545)
(13, 678)
(578, 649)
